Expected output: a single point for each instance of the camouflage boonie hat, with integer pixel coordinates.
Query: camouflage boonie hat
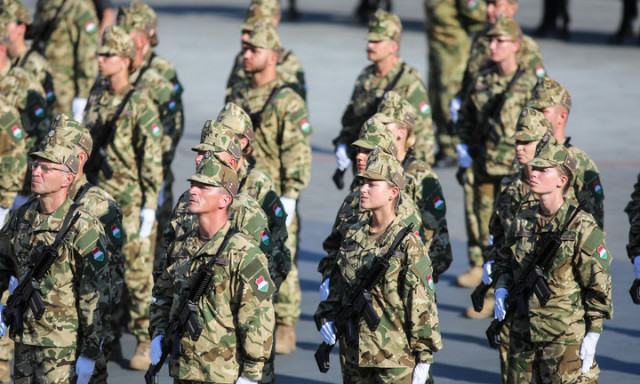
(554, 155)
(384, 26)
(395, 109)
(548, 93)
(56, 151)
(532, 125)
(505, 26)
(264, 36)
(216, 138)
(72, 132)
(383, 166)
(214, 172)
(130, 19)
(374, 134)
(236, 119)
(255, 15)
(14, 10)
(4, 34)
(116, 40)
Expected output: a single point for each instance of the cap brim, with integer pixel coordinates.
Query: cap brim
(206, 147)
(45, 155)
(370, 175)
(106, 49)
(363, 144)
(204, 180)
(375, 37)
(541, 163)
(522, 136)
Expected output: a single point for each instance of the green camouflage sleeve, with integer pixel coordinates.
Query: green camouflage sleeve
(236, 75)
(416, 95)
(251, 220)
(292, 65)
(331, 244)
(160, 307)
(351, 124)
(501, 271)
(149, 151)
(473, 15)
(588, 187)
(467, 117)
(633, 212)
(13, 155)
(280, 260)
(85, 42)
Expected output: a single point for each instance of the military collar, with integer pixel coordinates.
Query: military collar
(77, 184)
(5, 70)
(52, 222)
(211, 247)
(558, 219)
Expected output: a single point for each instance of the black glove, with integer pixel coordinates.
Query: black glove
(461, 176)
(338, 178)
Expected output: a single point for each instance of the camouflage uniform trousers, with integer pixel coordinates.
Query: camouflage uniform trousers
(479, 196)
(6, 344)
(287, 301)
(36, 364)
(163, 214)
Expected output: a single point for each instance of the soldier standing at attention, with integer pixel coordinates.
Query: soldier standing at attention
(400, 349)
(485, 129)
(235, 310)
(388, 72)
(555, 342)
(62, 346)
(282, 149)
(126, 162)
(633, 247)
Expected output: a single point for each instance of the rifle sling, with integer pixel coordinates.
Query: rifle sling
(115, 117)
(503, 95)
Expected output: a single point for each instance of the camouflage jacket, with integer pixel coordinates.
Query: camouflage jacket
(405, 299)
(579, 276)
(134, 153)
(587, 186)
(81, 269)
(493, 158)
(367, 94)
(71, 47)
(452, 21)
(38, 67)
(281, 146)
(167, 70)
(425, 190)
(288, 64)
(13, 153)
(236, 312)
(633, 211)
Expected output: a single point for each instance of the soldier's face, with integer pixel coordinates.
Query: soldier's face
(380, 50)
(16, 31)
(496, 8)
(525, 151)
(204, 198)
(255, 59)
(47, 177)
(376, 194)
(361, 158)
(544, 181)
(503, 48)
(109, 64)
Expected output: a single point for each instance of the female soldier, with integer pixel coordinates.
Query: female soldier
(401, 348)
(549, 341)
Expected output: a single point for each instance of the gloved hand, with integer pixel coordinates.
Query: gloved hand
(420, 373)
(161, 195)
(156, 349)
(588, 350)
(636, 266)
(3, 326)
(147, 217)
(77, 107)
(289, 205)
(490, 241)
(19, 201)
(13, 284)
(499, 310)
(486, 272)
(244, 380)
(84, 369)
(464, 158)
(327, 333)
(343, 160)
(461, 176)
(4, 212)
(324, 290)
(454, 107)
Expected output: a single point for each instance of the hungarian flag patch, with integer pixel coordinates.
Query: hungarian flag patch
(430, 281)
(603, 252)
(172, 105)
(597, 188)
(305, 126)
(472, 4)
(97, 254)
(424, 107)
(155, 129)
(115, 231)
(38, 111)
(540, 71)
(277, 210)
(265, 238)
(90, 26)
(17, 132)
(262, 284)
(438, 203)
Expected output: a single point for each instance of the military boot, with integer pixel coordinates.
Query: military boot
(5, 372)
(116, 351)
(142, 358)
(470, 279)
(285, 339)
(487, 309)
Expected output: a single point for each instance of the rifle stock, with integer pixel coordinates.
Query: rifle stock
(635, 291)
(477, 296)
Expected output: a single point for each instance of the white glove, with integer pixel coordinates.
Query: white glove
(486, 272)
(324, 290)
(636, 266)
(420, 373)
(499, 310)
(13, 284)
(343, 160)
(3, 326)
(156, 349)
(588, 350)
(147, 217)
(77, 107)
(464, 159)
(244, 380)
(19, 201)
(289, 205)
(454, 107)
(327, 333)
(84, 369)
(3, 215)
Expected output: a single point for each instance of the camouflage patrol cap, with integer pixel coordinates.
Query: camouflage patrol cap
(55, 150)
(137, 19)
(554, 155)
(72, 132)
(256, 14)
(395, 109)
(236, 119)
(14, 10)
(374, 134)
(506, 26)
(384, 26)
(264, 35)
(4, 34)
(216, 138)
(532, 125)
(548, 93)
(116, 40)
(213, 171)
(383, 166)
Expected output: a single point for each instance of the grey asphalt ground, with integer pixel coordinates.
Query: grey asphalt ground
(202, 37)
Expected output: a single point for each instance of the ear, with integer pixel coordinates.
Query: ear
(67, 179)
(564, 179)
(395, 191)
(225, 201)
(82, 156)
(395, 46)
(244, 142)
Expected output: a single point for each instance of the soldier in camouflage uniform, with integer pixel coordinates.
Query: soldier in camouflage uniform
(133, 152)
(448, 25)
(388, 72)
(633, 211)
(555, 343)
(64, 344)
(401, 349)
(554, 101)
(282, 149)
(485, 130)
(70, 49)
(237, 336)
(265, 11)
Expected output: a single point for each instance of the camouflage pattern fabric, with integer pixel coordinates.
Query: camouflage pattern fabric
(35, 364)
(13, 153)
(38, 67)
(587, 185)
(633, 212)
(237, 336)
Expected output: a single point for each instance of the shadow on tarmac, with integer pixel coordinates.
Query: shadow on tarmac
(469, 339)
(611, 364)
(284, 379)
(462, 373)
